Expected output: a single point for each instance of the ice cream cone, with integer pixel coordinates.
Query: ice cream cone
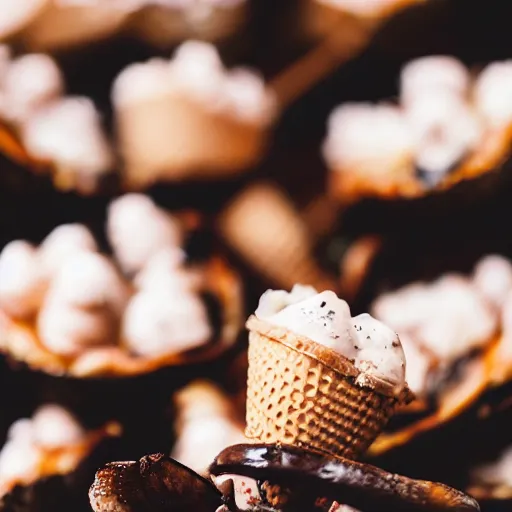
(303, 393)
(201, 120)
(190, 142)
(264, 228)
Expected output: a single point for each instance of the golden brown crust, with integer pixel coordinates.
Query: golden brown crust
(351, 185)
(62, 178)
(478, 376)
(11, 148)
(19, 341)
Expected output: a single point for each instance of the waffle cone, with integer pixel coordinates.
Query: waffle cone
(302, 393)
(264, 228)
(186, 142)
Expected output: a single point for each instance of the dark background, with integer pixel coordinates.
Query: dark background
(442, 233)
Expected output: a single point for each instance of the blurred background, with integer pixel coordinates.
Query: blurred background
(197, 153)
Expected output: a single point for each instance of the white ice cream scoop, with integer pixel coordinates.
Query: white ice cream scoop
(22, 284)
(31, 81)
(379, 351)
(64, 242)
(158, 323)
(137, 229)
(68, 330)
(325, 318)
(444, 129)
(493, 93)
(69, 133)
(83, 305)
(273, 301)
(198, 69)
(19, 462)
(374, 138)
(493, 278)
(433, 75)
(90, 280)
(166, 271)
(55, 427)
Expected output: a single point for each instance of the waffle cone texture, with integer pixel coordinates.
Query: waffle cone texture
(304, 394)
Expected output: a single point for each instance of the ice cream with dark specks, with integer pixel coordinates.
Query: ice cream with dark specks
(323, 317)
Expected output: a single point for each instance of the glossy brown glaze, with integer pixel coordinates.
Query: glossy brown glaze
(356, 484)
